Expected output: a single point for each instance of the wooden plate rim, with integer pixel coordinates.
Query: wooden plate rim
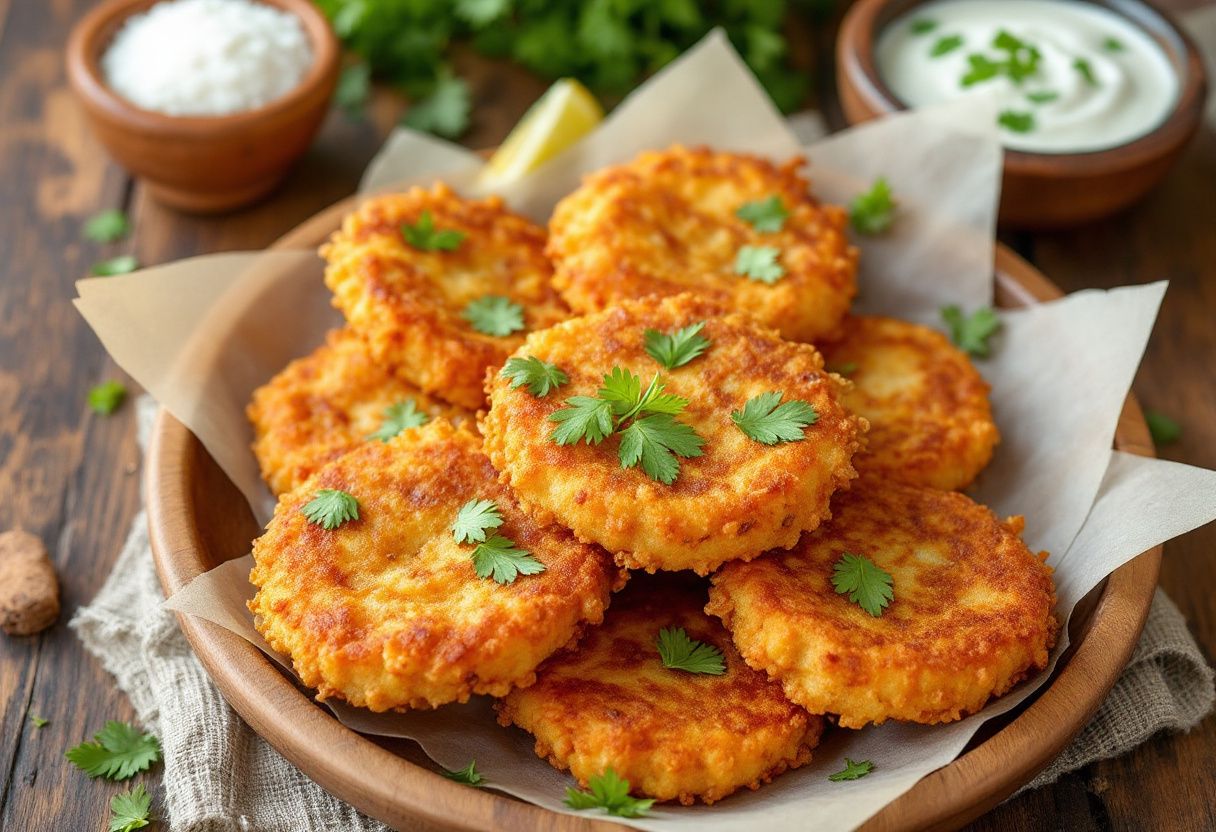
(405, 795)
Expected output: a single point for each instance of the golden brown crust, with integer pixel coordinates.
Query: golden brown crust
(409, 303)
(930, 420)
(323, 405)
(736, 500)
(610, 703)
(665, 223)
(386, 612)
(972, 613)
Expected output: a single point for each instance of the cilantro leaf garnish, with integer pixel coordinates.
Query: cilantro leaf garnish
(1042, 96)
(39, 722)
(423, 236)
(945, 45)
(445, 111)
(107, 226)
(970, 333)
(330, 508)
(354, 87)
(500, 558)
(679, 652)
(494, 315)
(873, 212)
(867, 585)
(115, 265)
(852, 770)
(119, 751)
(469, 775)
(1113, 45)
(474, 518)
(765, 419)
(764, 214)
(677, 348)
(1086, 71)
(923, 26)
(540, 376)
(106, 397)
(1021, 61)
(583, 418)
(759, 263)
(398, 417)
(1018, 122)
(624, 391)
(130, 810)
(1163, 429)
(610, 793)
(655, 441)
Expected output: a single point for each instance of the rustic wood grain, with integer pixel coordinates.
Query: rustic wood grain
(64, 473)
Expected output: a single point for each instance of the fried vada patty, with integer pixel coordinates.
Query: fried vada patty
(930, 420)
(736, 500)
(323, 405)
(971, 615)
(386, 611)
(666, 223)
(610, 702)
(410, 304)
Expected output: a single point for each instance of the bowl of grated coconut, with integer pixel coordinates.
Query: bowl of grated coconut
(209, 102)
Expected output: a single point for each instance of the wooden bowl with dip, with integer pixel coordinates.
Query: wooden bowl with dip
(203, 164)
(1118, 90)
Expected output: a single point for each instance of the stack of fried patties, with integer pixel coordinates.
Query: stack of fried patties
(513, 419)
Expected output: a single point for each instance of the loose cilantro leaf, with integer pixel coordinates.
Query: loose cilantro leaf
(494, 315)
(474, 518)
(655, 441)
(769, 422)
(583, 418)
(1018, 122)
(119, 751)
(1164, 430)
(1042, 96)
(764, 214)
(979, 68)
(759, 263)
(845, 368)
(115, 265)
(398, 417)
(852, 770)
(501, 559)
(540, 376)
(330, 508)
(610, 793)
(107, 226)
(107, 397)
(1086, 71)
(623, 390)
(1113, 45)
(39, 722)
(445, 112)
(679, 652)
(970, 333)
(873, 211)
(923, 26)
(423, 236)
(354, 87)
(945, 45)
(130, 810)
(866, 584)
(469, 775)
(1020, 62)
(677, 348)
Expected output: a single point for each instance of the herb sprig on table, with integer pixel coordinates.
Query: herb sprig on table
(608, 46)
(118, 752)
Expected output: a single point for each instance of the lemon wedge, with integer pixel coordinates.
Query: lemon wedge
(558, 119)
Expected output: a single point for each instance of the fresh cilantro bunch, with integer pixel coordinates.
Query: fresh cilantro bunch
(608, 45)
(653, 437)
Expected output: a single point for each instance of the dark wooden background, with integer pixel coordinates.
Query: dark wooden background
(72, 477)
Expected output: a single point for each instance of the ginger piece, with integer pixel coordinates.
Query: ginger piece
(29, 589)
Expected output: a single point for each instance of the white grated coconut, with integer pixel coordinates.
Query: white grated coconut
(207, 57)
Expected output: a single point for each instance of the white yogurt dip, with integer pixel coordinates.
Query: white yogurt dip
(1070, 77)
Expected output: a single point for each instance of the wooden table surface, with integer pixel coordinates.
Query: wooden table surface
(72, 477)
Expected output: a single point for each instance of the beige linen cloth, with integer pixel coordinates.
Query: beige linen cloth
(219, 776)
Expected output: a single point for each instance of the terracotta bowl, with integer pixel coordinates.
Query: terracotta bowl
(1045, 190)
(203, 164)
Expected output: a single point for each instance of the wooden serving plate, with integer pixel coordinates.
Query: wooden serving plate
(198, 520)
